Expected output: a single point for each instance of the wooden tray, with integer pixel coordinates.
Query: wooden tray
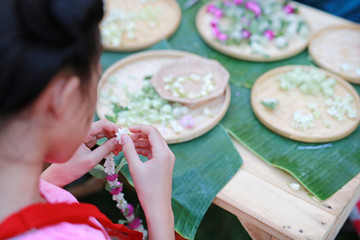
(203, 20)
(148, 63)
(334, 46)
(169, 18)
(280, 119)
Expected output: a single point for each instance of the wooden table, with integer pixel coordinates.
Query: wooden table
(267, 207)
(260, 197)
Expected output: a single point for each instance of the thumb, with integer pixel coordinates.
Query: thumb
(129, 151)
(105, 149)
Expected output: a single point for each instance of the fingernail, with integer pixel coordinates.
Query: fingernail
(124, 138)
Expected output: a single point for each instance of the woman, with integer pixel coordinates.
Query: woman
(49, 70)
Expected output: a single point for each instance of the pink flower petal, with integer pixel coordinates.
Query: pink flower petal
(112, 177)
(245, 34)
(130, 209)
(255, 7)
(116, 191)
(222, 37)
(269, 34)
(135, 223)
(210, 8)
(238, 2)
(187, 121)
(214, 22)
(289, 9)
(216, 31)
(218, 13)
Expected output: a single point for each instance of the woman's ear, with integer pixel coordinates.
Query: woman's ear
(59, 95)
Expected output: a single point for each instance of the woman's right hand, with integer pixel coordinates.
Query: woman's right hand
(153, 178)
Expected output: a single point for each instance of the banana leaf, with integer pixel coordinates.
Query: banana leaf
(202, 168)
(321, 168)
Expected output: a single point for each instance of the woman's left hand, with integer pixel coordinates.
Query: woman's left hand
(84, 159)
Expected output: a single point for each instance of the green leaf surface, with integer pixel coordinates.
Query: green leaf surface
(101, 141)
(119, 166)
(322, 169)
(202, 168)
(98, 172)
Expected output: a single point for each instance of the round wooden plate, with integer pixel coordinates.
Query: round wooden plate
(148, 63)
(337, 49)
(203, 20)
(279, 120)
(168, 20)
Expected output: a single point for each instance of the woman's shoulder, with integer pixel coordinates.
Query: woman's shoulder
(55, 194)
(62, 231)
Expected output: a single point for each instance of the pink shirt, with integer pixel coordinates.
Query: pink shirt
(64, 230)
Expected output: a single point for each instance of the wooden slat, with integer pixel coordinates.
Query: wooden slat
(257, 167)
(279, 210)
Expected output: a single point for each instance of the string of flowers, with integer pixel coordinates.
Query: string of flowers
(115, 188)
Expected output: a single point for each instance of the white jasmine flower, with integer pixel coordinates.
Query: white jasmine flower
(109, 164)
(120, 132)
(295, 186)
(302, 121)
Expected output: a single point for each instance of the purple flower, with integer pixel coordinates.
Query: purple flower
(227, 3)
(214, 22)
(130, 210)
(211, 8)
(188, 121)
(238, 2)
(269, 34)
(289, 9)
(112, 177)
(245, 34)
(135, 223)
(216, 31)
(222, 37)
(116, 191)
(218, 13)
(255, 7)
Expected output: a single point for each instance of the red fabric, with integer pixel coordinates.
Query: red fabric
(355, 217)
(46, 214)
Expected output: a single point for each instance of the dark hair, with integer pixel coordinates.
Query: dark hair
(38, 38)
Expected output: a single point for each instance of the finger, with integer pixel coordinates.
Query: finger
(118, 149)
(103, 128)
(130, 151)
(161, 149)
(105, 149)
(142, 143)
(136, 136)
(144, 152)
(151, 133)
(91, 141)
